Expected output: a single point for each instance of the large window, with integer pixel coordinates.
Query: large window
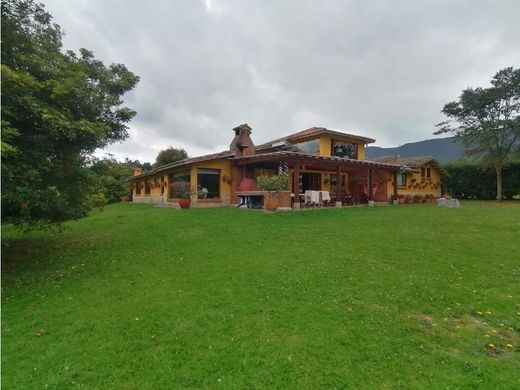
(178, 182)
(147, 187)
(138, 188)
(208, 183)
(344, 149)
(311, 147)
(426, 173)
(401, 180)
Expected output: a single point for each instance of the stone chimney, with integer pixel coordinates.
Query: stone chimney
(242, 144)
(137, 171)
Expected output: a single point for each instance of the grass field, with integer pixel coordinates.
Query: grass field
(139, 297)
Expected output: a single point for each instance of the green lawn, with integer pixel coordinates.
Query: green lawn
(140, 297)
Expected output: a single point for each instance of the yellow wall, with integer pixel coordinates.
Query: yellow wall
(326, 143)
(225, 170)
(419, 187)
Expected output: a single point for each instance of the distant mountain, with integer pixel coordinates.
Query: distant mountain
(442, 149)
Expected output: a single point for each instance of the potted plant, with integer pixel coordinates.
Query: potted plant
(273, 184)
(182, 190)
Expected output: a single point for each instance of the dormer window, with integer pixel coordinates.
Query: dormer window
(344, 149)
(310, 147)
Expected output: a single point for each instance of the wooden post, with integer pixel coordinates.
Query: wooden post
(296, 184)
(339, 186)
(395, 186)
(370, 185)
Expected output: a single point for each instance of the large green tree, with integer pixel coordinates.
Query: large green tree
(170, 155)
(57, 109)
(487, 121)
(111, 177)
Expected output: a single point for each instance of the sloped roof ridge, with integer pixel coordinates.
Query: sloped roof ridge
(189, 160)
(315, 130)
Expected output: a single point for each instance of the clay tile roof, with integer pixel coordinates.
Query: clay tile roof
(411, 162)
(309, 134)
(187, 161)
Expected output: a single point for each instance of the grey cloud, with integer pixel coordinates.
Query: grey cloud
(381, 69)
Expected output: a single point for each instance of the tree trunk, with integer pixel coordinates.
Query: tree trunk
(499, 183)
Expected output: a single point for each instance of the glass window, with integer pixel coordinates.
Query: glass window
(183, 177)
(401, 180)
(344, 149)
(208, 183)
(428, 173)
(311, 147)
(138, 188)
(147, 187)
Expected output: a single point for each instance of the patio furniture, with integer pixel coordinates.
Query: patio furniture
(250, 199)
(312, 197)
(325, 197)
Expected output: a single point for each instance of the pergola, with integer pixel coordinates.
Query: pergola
(299, 161)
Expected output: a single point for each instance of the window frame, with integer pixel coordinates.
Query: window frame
(403, 181)
(349, 145)
(218, 173)
(171, 176)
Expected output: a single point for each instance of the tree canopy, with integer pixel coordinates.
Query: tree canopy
(487, 121)
(170, 155)
(57, 109)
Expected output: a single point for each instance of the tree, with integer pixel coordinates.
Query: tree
(57, 109)
(146, 166)
(170, 155)
(111, 178)
(487, 121)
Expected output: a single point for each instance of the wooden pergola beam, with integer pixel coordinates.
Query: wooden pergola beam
(316, 162)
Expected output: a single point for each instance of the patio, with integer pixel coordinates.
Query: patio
(338, 181)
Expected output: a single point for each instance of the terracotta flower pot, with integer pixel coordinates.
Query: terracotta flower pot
(271, 202)
(247, 184)
(185, 203)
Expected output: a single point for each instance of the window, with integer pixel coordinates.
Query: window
(162, 185)
(183, 177)
(147, 187)
(401, 180)
(344, 149)
(208, 183)
(426, 173)
(138, 188)
(311, 147)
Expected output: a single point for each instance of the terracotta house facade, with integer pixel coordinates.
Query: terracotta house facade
(317, 159)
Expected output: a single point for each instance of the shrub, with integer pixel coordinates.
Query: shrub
(97, 200)
(471, 181)
(274, 183)
(182, 189)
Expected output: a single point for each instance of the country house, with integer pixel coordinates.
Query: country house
(318, 159)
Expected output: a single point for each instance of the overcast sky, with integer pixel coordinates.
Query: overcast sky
(382, 69)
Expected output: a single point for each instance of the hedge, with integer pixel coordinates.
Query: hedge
(471, 181)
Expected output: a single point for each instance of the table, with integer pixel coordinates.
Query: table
(250, 199)
(316, 198)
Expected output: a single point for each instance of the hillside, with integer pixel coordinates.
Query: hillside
(443, 149)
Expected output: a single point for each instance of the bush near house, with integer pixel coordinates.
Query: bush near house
(471, 181)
